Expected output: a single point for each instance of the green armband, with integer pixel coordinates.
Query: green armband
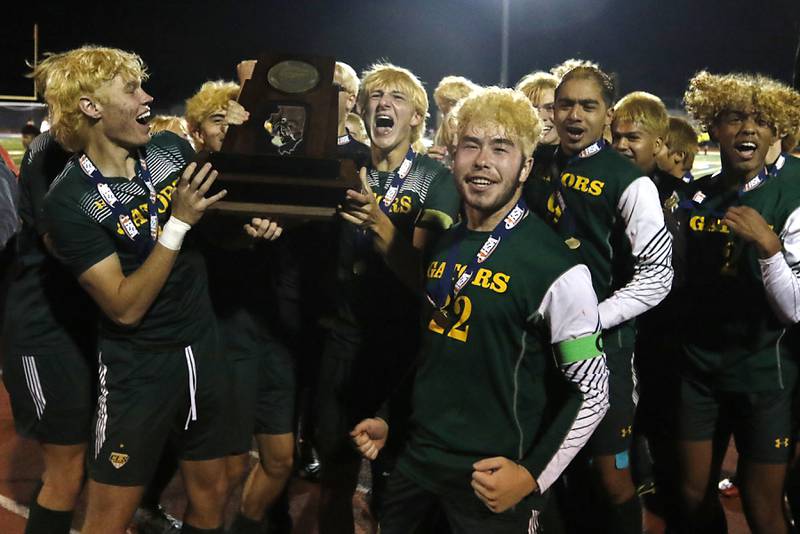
(583, 348)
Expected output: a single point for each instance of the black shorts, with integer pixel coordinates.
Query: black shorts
(761, 422)
(264, 380)
(146, 398)
(360, 371)
(52, 395)
(408, 508)
(613, 434)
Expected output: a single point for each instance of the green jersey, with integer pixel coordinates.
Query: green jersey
(489, 384)
(739, 306)
(427, 199)
(46, 311)
(85, 231)
(601, 204)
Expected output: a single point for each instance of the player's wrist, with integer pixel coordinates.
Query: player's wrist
(768, 246)
(173, 232)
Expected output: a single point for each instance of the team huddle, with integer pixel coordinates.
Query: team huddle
(505, 323)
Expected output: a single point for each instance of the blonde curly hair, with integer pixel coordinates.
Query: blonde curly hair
(212, 96)
(386, 75)
(65, 77)
(708, 95)
(507, 109)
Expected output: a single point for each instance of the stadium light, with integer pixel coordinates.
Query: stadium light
(504, 37)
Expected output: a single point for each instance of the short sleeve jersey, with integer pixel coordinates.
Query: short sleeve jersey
(486, 385)
(85, 231)
(733, 339)
(46, 311)
(426, 199)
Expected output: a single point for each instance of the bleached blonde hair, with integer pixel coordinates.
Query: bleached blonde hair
(65, 77)
(386, 75)
(212, 96)
(507, 109)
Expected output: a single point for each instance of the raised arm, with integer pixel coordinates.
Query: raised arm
(126, 299)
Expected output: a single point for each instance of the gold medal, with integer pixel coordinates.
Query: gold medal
(572, 243)
(442, 318)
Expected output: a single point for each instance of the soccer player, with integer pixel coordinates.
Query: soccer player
(448, 93)
(346, 79)
(608, 210)
(118, 216)
(493, 421)
(540, 88)
(29, 132)
(680, 149)
(207, 114)
(49, 343)
(262, 366)
(739, 371)
(359, 367)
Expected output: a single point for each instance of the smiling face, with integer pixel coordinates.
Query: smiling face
(636, 143)
(581, 114)
(744, 138)
(489, 170)
(124, 110)
(389, 117)
(545, 107)
(211, 132)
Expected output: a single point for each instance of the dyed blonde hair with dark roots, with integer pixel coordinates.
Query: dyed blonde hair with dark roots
(644, 109)
(507, 109)
(708, 95)
(212, 96)
(66, 76)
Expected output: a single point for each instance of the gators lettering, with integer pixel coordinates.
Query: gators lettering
(485, 278)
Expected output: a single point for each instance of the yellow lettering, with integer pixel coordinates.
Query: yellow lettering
(697, 223)
(500, 282)
(568, 179)
(137, 217)
(581, 183)
(405, 204)
(99, 204)
(482, 278)
(440, 271)
(596, 187)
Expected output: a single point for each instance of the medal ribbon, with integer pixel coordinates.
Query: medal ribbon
(448, 285)
(755, 182)
(397, 181)
(144, 243)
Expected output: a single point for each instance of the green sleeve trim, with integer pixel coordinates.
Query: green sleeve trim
(583, 348)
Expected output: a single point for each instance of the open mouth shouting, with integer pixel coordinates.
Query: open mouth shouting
(574, 133)
(746, 150)
(143, 118)
(383, 124)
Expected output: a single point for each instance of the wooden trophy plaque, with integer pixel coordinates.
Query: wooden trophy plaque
(282, 162)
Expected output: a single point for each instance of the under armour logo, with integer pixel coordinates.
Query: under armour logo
(626, 431)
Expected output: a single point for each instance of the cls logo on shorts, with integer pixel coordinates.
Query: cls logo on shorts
(781, 443)
(118, 459)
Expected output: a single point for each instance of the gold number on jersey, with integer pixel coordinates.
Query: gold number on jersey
(460, 330)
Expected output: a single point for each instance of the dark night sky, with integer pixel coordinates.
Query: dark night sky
(653, 45)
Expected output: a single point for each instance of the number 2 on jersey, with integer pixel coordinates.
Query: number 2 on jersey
(459, 331)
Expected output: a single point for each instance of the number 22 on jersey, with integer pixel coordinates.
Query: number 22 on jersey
(460, 330)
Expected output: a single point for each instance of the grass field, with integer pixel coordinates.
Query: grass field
(13, 144)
